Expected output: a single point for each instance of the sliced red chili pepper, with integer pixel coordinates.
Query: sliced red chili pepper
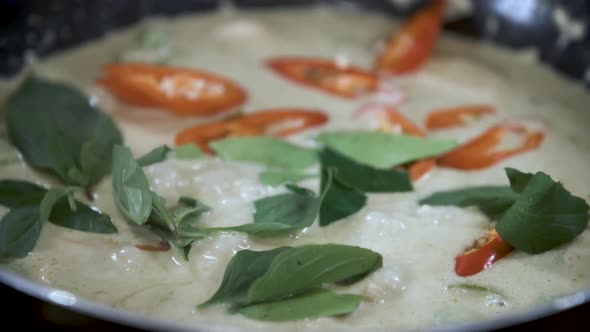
(412, 44)
(456, 116)
(483, 256)
(481, 152)
(325, 75)
(418, 168)
(180, 90)
(275, 122)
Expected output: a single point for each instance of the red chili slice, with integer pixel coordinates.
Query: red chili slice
(482, 257)
(325, 75)
(180, 90)
(275, 122)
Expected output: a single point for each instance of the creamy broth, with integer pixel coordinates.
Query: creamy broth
(418, 243)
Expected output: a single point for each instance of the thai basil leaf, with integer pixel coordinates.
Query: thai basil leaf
(187, 213)
(131, 187)
(176, 227)
(363, 177)
(491, 200)
(544, 216)
(155, 156)
(83, 219)
(187, 151)
(340, 200)
(383, 150)
(15, 194)
(243, 269)
(57, 130)
(270, 151)
(303, 268)
(52, 196)
(281, 213)
(313, 304)
(20, 229)
(275, 178)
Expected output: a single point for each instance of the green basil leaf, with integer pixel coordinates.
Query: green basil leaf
(187, 213)
(275, 178)
(57, 130)
(544, 216)
(83, 219)
(491, 200)
(281, 213)
(313, 304)
(303, 268)
(267, 150)
(383, 150)
(15, 193)
(242, 270)
(363, 177)
(20, 229)
(155, 156)
(340, 200)
(160, 215)
(131, 187)
(518, 180)
(52, 196)
(187, 151)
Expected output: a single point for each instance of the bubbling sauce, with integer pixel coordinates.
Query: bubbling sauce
(418, 243)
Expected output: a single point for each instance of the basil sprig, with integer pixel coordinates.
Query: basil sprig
(141, 205)
(31, 205)
(286, 283)
(57, 130)
(535, 214)
(163, 152)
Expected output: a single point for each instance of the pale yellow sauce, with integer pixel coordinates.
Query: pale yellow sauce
(418, 244)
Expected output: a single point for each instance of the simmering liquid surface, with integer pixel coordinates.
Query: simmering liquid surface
(418, 243)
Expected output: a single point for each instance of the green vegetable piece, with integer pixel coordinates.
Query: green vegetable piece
(313, 304)
(20, 229)
(270, 151)
(362, 177)
(52, 196)
(83, 219)
(243, 269)
(187, 151)
(176, 227)
(130, 186)
(15, 194)
(340, 200)
(57, 130)
(383, 150)
(155, 156)
(301, 269)
(544, 216)
(275, 178)
(493, 201)
(281, 213)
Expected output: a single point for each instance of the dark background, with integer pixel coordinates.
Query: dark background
(24, 23)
